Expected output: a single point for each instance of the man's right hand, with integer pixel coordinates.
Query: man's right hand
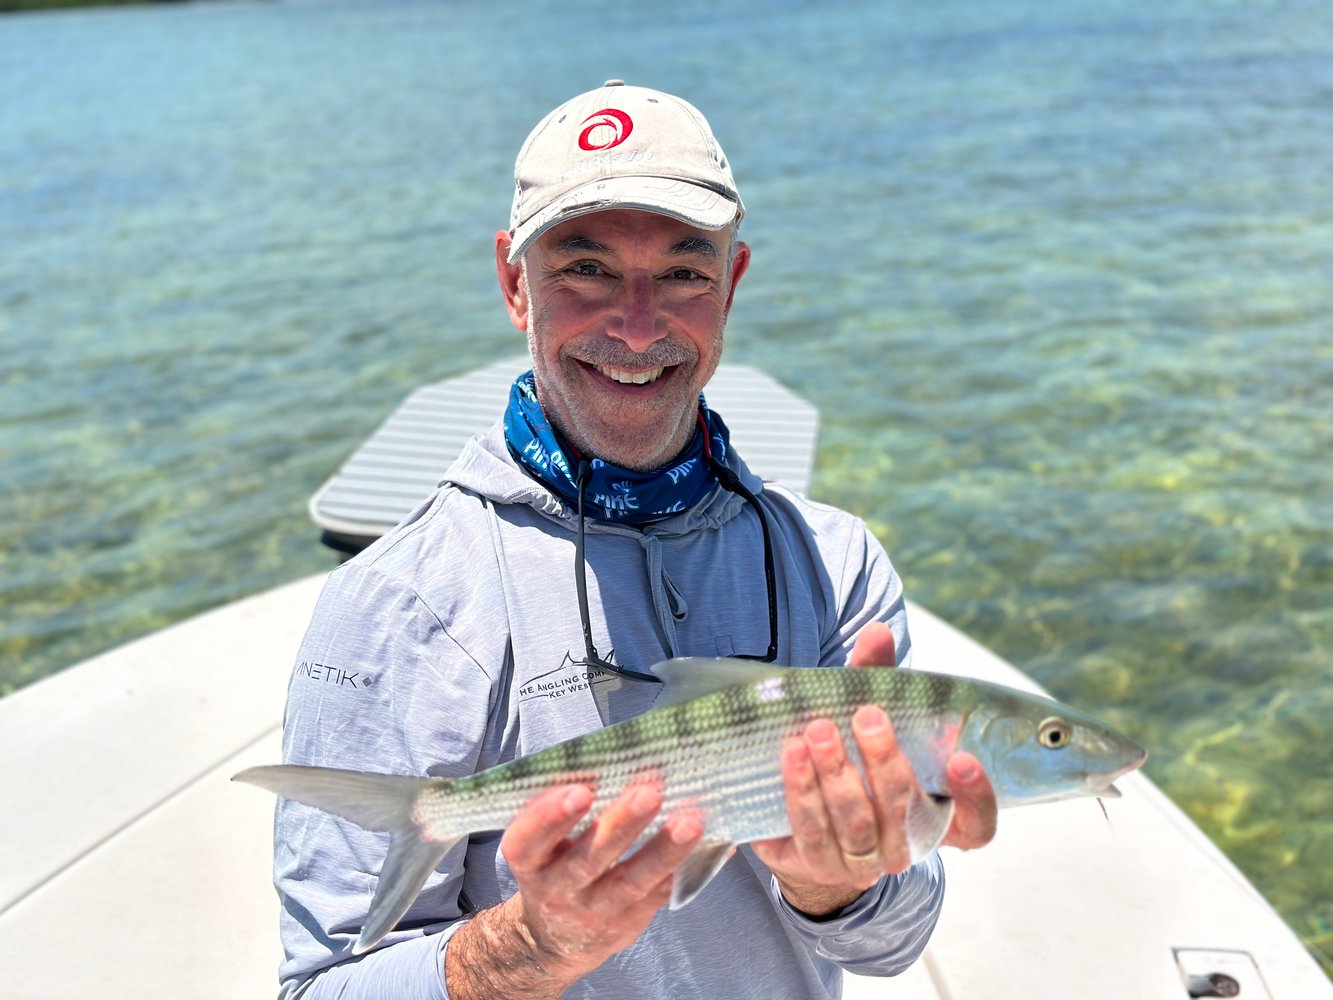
(577, 903)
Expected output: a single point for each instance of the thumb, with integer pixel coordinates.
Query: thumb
(874, 647)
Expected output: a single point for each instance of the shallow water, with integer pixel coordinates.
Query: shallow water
(1056, 275)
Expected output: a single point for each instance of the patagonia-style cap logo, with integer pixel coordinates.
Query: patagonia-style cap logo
(595, 136)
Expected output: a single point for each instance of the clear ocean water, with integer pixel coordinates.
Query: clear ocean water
(1057, 275)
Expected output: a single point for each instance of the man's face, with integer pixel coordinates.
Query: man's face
(624, 312)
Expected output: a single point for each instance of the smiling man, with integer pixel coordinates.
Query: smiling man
(607, 511)
(624, 311)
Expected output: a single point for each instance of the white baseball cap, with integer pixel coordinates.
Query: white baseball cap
(621, 147)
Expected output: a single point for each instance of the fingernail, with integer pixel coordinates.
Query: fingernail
(822, 734)
(683, 830)
(643, 802)
(870, 720)
(967, 771)
(575, 801)
(798, 753)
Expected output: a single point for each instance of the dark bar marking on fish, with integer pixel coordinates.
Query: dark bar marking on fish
(624, 736)
(939, 693)
(798, 688)
(682, 722)
(860, 687)
(518, 769)
(574, 754)
(741, 706)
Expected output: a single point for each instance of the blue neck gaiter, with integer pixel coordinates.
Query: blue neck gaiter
(612, 493)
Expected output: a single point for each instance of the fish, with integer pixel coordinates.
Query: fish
(713, 743)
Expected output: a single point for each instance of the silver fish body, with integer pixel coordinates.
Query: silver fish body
(713, 744)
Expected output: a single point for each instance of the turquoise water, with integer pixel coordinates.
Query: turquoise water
(1057, 276)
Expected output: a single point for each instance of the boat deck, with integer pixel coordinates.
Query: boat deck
(136, 869)
(144, 869)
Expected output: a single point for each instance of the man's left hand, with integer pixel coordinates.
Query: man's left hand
(846, 836)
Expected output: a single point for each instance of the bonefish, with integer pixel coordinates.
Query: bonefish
(713, 742)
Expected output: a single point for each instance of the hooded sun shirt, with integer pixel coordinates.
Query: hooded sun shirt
(453, 644)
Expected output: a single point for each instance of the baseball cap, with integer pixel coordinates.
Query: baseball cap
(621, 147)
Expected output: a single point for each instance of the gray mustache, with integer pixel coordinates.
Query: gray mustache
(663, 354)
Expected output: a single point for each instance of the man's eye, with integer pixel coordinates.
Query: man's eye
(685, 274)
(586, 268)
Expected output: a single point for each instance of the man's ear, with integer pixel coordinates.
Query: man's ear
(511, 281)
(740, 261)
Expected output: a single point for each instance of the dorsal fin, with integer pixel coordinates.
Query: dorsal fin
(688, 677)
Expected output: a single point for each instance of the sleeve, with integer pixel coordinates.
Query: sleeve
(884, 931)
(881, 933)
(379, 685)
(867, 589)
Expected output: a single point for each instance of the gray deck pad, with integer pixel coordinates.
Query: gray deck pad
(402, 462)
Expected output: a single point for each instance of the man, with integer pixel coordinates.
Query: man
(603, 525)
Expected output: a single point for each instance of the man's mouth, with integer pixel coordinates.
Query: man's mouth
(626, 377)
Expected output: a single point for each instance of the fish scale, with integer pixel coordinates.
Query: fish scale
(696, 770)
(714, 745)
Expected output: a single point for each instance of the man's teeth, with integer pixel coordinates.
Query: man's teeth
(631, 378)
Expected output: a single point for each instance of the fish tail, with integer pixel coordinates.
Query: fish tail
(381, 802)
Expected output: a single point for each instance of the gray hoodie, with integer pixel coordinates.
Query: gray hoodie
(450, 645)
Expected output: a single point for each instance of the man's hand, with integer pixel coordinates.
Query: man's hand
(577, 903)
(845, 837)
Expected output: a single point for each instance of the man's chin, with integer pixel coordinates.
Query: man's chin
(642, 450)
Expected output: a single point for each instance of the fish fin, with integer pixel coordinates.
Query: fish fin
(697, 870)
(688, 677)
(1109, 792)
(928, 819)
(410, 861)
(374, 801)
(385, 803)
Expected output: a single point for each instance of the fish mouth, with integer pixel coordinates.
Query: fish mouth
(1102, 785)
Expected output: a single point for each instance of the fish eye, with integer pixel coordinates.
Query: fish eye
(1053, 733)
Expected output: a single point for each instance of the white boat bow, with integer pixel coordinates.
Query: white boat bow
(133, 868)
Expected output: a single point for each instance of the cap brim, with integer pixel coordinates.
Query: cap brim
(690, 203)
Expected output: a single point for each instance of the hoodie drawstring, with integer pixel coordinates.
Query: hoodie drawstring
(668, 602)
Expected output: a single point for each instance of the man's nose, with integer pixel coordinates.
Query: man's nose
(636, 319)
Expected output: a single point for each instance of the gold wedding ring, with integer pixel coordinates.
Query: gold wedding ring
(862, 859)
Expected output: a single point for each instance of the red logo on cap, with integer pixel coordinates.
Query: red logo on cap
(618, 122)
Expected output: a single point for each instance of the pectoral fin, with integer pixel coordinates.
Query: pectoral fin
(928, 819)
(698, 870)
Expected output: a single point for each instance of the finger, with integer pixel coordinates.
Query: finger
(647, 873)
(890, 778)
(855, 844)
(810, 825)
(874, 647)
(612, 833)
(542, 825)
(975, 809)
